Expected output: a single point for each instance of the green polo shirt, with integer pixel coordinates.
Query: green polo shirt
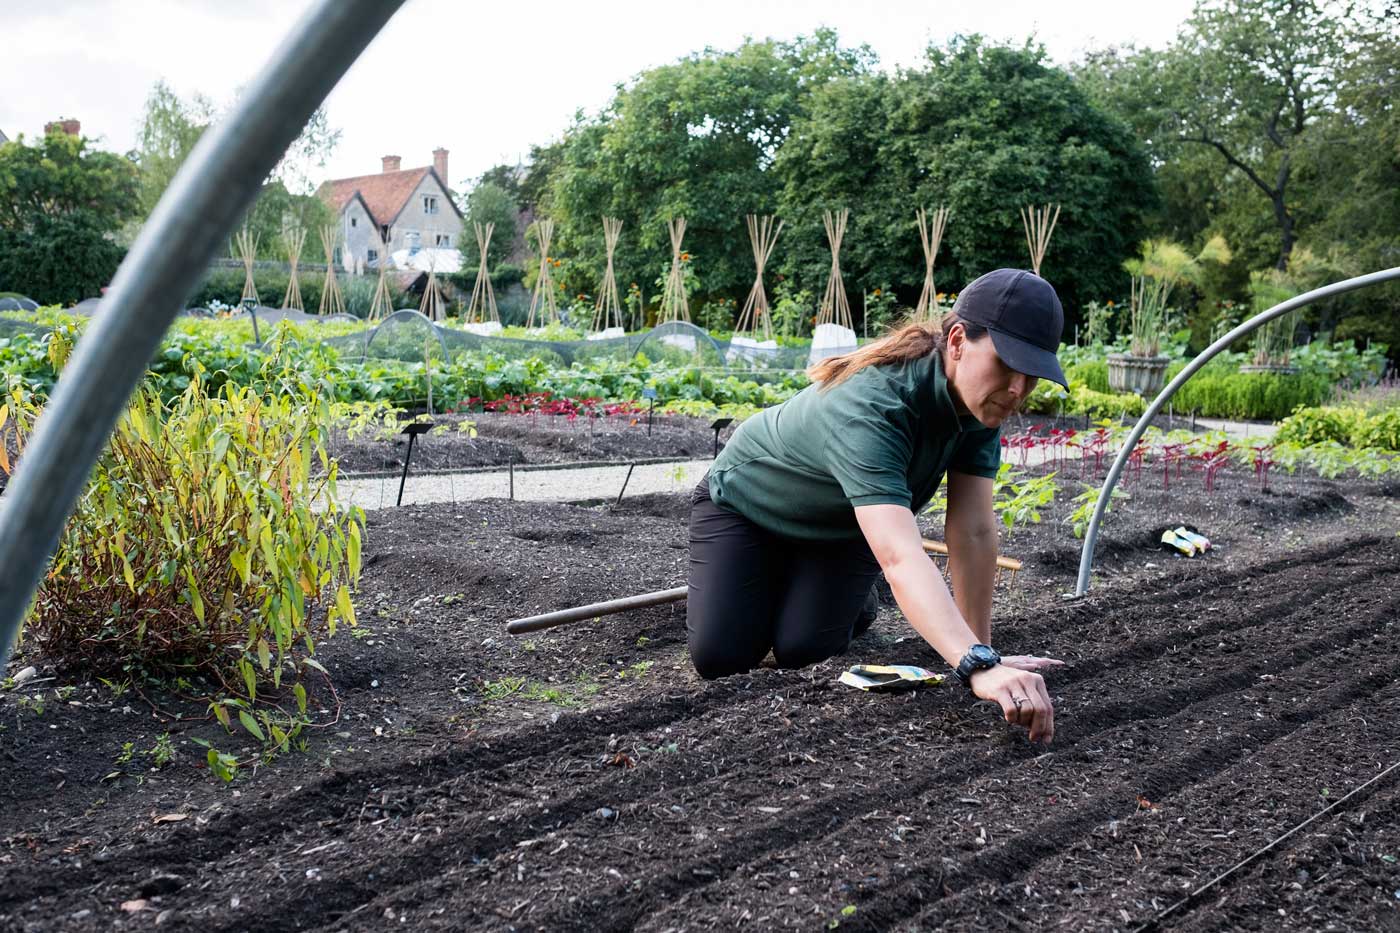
(888, 434)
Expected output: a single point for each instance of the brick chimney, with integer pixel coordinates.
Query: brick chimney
(71, 127)
(440, 165)
(391, 163)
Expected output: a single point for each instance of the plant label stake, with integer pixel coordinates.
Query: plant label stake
(719, 424)
(625, 480)
(649, 394)
(412, 430)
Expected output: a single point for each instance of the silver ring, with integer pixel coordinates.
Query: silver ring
(1018, 701)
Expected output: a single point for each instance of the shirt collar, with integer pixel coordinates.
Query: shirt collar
(941, 398)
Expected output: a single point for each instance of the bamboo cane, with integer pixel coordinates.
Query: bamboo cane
(483, 305)
(1039, 225)
(295, 238)
(247, 243)
(835, 309)
(608, 310)
(762, 235)
(544, 299)
(674, 304)
(931, 236)
(547, 620)
(332, 300)
(383, 304)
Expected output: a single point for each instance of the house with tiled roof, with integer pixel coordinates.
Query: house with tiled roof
(408, 209)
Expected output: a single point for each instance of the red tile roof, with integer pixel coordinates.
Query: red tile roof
(384, 193)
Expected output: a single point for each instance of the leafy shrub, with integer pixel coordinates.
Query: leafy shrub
(1090, 373)
(1085, 401)
(1309, 426)
(1381, 430)
(196, 548)
(1217, 392)
(1350, 427)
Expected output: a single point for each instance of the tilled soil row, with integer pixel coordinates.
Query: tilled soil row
(519, 817)
(782, 799)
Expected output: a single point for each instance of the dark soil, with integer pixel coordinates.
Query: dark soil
(524, 439)
(585, 779)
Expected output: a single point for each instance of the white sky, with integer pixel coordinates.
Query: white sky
(483, 80)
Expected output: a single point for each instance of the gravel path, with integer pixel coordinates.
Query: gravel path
(535, 485)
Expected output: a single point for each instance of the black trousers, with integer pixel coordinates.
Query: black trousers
(752, 591)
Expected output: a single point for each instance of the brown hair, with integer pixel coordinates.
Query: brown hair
(912, 341)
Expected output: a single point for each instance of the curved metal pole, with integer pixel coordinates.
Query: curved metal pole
(1086, 556)
(217, 183)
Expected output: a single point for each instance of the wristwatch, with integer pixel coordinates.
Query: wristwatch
(978, 658)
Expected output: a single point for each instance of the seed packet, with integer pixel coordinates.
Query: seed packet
(889, 678)
(1201, 542)
(1175, 541)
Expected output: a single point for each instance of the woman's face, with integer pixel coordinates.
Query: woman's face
(977, 378)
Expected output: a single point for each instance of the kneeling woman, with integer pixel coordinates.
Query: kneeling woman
(813, 498)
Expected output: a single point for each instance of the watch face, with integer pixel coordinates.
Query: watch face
(983, 654)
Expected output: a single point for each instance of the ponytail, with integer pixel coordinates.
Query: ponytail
(913, 341)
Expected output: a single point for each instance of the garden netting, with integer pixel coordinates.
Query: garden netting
(410, 337)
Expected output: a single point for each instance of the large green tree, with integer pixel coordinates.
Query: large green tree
(1245, 83)
(61, 205)
(490, 202)
(172, 125)
(983, 129)
(697, 138)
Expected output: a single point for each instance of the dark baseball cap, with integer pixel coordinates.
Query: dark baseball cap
(1023, 314)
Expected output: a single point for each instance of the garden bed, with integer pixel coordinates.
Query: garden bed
(502, 439)
(584, 778)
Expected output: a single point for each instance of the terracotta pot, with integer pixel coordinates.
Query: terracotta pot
(1143, 375)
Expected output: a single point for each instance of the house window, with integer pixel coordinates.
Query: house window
(354, 221)
(384, 233)
(430, 204)
(444, 239)
(372, 255)
(336, 259)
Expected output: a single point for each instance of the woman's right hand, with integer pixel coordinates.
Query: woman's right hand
(1022, 696)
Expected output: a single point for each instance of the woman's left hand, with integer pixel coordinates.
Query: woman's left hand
(1030, 662)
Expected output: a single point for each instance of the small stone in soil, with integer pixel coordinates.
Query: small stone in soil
(606, 813)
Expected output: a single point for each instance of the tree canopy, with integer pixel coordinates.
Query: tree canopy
(61, 205)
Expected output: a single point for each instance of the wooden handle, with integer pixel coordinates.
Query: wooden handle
(941, 549)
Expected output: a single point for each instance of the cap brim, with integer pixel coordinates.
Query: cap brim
(1025, 357)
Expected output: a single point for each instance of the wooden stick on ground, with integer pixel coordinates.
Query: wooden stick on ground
(546, 620)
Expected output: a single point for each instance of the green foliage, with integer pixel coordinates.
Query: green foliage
(61, 205)
(1220, 392)
(1018, 501)
(696, 138)
(491, 203)
(1084, 505)
(1352, 427)
(985, 130)
(198, 545)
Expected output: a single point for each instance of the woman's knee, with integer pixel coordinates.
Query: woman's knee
(809, 648)
(713, 661)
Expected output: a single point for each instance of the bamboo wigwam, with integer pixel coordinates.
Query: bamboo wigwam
(433, 305)
(762, 235)
(1039, 225)
(295, 238)
(544, 300)
(931, 236)
(246, 245)
(674, 304)
(482, 309)
(383, 304)
(332, 301)
(608, 310)
(835, 309)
